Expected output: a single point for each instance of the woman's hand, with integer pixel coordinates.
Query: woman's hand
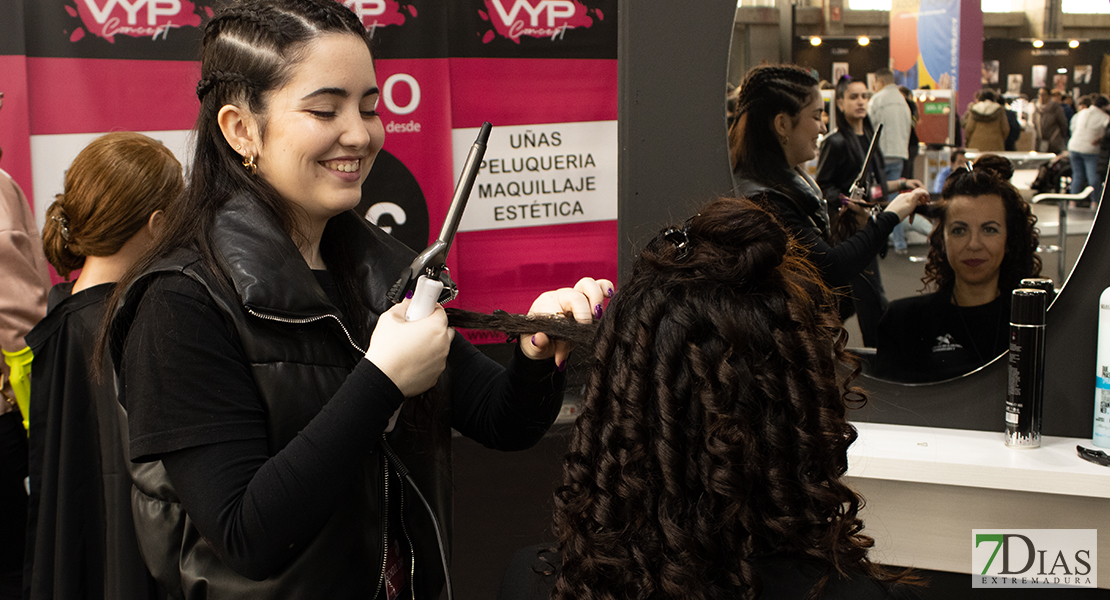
(584, 302)
(903, 184)
(412, 354)
(904, 204)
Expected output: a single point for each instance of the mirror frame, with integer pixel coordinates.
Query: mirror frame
(673, 157)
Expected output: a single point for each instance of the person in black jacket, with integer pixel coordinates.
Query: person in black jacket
(776, 133)
(840, 162)
(81, 541)
(707, 460)
(261, 362)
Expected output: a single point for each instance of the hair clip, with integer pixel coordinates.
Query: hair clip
(1096, 456)
(64, 222)
(680, 238)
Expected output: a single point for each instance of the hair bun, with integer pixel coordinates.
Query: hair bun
(999, 166)
(732, 241)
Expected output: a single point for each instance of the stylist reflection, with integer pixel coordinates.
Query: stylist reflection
(984, 244)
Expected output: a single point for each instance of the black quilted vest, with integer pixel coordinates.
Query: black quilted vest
(300, 354)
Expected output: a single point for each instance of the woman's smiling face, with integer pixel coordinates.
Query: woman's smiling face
(322, 131)
(803, 131)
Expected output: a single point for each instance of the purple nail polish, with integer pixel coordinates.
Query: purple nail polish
(609, 294)
(408, 295)
(563, 365)
(597, 311)
(534, 341)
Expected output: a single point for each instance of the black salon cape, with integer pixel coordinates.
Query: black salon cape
(81, 536)
(928, 338)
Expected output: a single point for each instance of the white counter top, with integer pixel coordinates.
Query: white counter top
(978, 459)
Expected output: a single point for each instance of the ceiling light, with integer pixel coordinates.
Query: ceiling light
(815, 41)
(1038, 43)
(1073, 43)
(864, 40)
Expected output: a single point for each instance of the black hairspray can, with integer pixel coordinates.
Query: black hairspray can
(1041, 283)
(1025, 396)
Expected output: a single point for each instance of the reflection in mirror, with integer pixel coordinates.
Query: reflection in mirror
(844, 222)
(939, 128)
(951, 329)
(955, 316)
(984, 248)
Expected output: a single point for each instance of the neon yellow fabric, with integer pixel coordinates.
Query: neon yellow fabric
(19, 365)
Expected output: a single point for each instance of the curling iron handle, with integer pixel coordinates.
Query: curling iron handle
(424, 298)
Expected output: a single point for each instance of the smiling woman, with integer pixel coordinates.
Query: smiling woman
(984, 244)
(260, 361)
(322, 134)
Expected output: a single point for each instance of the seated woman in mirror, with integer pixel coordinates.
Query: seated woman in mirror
(839, 164)
(779, 120)
(707, 459)
(983, 245)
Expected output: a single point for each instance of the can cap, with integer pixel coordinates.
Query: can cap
(1027, 306)
(1039, 283)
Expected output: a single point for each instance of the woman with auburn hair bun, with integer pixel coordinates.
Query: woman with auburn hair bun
(81, 535)
(983, 245)
(708, 455)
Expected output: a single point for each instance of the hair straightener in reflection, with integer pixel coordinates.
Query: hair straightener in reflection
(859, 190)
(426, 278)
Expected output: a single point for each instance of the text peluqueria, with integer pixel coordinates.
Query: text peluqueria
(525, 188)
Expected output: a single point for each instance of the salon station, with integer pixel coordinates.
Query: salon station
(931, 460)
(943, 483)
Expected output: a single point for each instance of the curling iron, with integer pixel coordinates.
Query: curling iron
(859, 187)
(424, 278)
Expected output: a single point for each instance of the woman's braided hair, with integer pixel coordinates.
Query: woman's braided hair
(250, 49)
(765, 92)
(713, 427)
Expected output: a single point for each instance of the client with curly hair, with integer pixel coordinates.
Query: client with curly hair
(708, 455)
(983, 245)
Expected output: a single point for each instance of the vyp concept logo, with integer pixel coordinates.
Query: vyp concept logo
(380, 13)
(135, 18)
(1034, 558)
(550, 19)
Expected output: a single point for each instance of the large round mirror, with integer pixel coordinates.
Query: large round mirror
(1063, 225)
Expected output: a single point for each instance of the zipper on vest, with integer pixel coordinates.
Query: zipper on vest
(402, 474)
(385, 528)
(305, 320)
(412, 548)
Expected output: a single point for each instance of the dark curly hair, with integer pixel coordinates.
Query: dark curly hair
(989, 176)
(713, 428)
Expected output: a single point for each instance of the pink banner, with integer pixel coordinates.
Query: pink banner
(84, 68)
(15, 122)
(520, 91)
(82, 95)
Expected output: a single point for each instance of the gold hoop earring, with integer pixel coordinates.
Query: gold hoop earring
(248, 164)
